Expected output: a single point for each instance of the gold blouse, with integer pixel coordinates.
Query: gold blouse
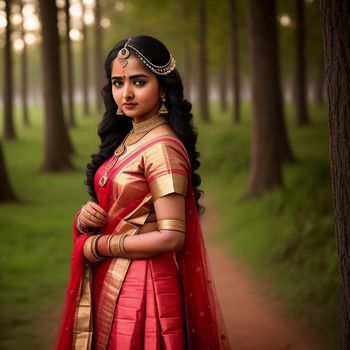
(160, 169)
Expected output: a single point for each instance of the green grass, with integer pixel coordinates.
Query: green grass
(285, 237)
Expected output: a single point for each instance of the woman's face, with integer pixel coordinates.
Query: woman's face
(135, 89)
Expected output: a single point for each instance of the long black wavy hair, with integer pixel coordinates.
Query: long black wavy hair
(112, 129)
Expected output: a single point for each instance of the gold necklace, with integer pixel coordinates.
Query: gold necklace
(137, 132)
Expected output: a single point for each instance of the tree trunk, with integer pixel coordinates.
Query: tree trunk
(187, 65)
(98, 56)
(57, 142)
(266, 161)
(70, 74)
(202, 61)
(24, 77)
(6, 192)
(234, 61)
(302, 117)
(223, 87)
(9, 127)
(85, 67)
(335, 16)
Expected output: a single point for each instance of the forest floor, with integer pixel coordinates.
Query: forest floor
(254, 319)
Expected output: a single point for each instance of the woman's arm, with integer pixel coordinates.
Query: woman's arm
(155, 242)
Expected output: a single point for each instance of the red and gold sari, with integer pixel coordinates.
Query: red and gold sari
(163, 302)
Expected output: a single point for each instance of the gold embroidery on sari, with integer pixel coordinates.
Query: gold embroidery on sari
(82, 331)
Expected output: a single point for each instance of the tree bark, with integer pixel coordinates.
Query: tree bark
(202, 61)
(9, 127)
(335, 17)
(57, 142)
(24, 76)
(302, 117)
(266, 160)
(234, 61)
(70, 73)
(85, 67)
(6, 192)
(98, 56)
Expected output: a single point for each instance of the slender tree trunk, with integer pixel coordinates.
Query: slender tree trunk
(223, 87)
(266, 162)
(234, 61)
(335, 16)
(98, 56)
(6, 192)
(187, 76)
(9, 127)
(202, 61)
(57, 142)
(24, 77)
(302, 117)
(85, 67)
(70, 74)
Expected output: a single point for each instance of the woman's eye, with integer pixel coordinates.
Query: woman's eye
(140, 83)
(117, 83)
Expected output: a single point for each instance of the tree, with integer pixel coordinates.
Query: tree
(6, 192)
(57, 143)
(266, 157)
(234, 60)
(70, 75)
(9, 127)
(202, 61)
(302, 117)
(85, 65)
(335, 16)
(98, 56)
(24, 74)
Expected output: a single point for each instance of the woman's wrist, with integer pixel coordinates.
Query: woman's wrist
(112, 246)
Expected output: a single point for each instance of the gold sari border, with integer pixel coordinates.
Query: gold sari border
(83, 327)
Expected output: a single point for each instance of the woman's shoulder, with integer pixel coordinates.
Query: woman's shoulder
(164, 143)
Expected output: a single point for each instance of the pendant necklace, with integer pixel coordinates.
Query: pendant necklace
(137, 132)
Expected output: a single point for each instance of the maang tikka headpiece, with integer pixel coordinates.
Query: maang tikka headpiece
(123, 54)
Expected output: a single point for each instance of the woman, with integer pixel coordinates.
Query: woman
(139, 277)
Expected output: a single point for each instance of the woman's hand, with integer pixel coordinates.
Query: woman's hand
(92, 215)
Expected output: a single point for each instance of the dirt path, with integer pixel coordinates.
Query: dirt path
(254, 320)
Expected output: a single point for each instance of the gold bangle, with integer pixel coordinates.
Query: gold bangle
(90, 251)
(108, 245)
(171, 224)
(122, 248)
(115, 245)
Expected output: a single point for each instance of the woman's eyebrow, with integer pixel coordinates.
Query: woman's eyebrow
(135, 76)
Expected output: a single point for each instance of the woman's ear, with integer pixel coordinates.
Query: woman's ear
(162, 92)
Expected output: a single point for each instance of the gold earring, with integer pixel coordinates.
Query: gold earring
(119, 111)
(163, 109)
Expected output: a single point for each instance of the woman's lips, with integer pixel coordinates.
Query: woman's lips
(129, 105)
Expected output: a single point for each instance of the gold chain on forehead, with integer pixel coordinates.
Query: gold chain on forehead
(123, 54)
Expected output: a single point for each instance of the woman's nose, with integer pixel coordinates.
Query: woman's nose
(127, 92)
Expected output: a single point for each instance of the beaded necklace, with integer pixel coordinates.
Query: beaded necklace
(138, 131)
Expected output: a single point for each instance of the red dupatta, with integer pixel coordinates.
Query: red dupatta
(204, 321)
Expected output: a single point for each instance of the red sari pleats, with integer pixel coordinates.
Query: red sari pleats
(149, 312)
